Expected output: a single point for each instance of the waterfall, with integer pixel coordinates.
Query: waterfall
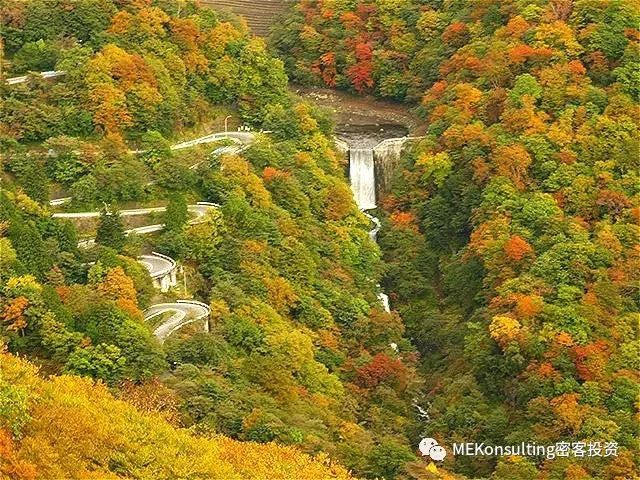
(363, 180)
(368, 165)
(384, 300)
(373, 234)
(363, 185)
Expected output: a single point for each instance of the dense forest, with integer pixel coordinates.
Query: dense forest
(511, 231)
(68, 427)
(508, 247)
(299, 349)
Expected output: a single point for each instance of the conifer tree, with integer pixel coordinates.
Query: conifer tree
(177, 213)
(110, 230)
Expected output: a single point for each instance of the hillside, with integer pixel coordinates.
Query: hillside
(511, 236)
(260, 15)
(68, 427)
(188, 288)
(286, 340)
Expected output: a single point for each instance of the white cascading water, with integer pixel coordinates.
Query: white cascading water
(363, 179)
(363, 185)
(373, 234)
(384, 299)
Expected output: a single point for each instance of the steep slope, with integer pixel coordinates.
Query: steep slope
(300, 350)
(68, 427)
(259, 14)
(512, 229)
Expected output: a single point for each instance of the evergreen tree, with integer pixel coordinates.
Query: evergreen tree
(156, 148)
(31, 176)
(32, 251)
(110, 230)
(177, 213)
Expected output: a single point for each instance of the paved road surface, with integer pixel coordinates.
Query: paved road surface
(184, 313)
(200, 209)
(242, 139)
(22, 79)
(158, 265)
(239, 137)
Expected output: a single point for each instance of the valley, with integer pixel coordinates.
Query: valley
(318, 239)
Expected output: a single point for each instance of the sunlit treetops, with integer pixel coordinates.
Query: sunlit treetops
(70, 427)
(512, 231)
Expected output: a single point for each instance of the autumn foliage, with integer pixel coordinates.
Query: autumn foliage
(520, 286)
(517, 248)
(283, 257)
(382, 368)
(13, 314)
(93, 435)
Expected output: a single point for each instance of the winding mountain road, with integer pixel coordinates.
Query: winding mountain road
(23, 78)
(239, 137)
(183, 312)
(157, 264)
(200, 209)
(242, 140)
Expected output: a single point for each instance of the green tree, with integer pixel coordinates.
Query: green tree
(155, 147)
(106, 324)
(36, 56)
(110, 230)
(177, 214)
(33, 253)
(104, 362)
(387, 459)
(8, 258)
(85, 191)
(64, 159)
(31, 176)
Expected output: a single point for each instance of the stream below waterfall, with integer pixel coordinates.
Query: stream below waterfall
(362, 140)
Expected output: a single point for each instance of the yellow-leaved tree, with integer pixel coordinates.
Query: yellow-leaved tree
(71, 427)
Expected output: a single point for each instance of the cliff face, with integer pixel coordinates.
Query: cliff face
(260, 14)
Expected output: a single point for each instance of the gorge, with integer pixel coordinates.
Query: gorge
(299, 346)
(425, 227)
(372, 152)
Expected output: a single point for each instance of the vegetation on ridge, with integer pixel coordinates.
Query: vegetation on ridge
(512, 229)
(299, 350)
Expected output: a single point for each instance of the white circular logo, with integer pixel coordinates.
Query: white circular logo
(431, 448)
